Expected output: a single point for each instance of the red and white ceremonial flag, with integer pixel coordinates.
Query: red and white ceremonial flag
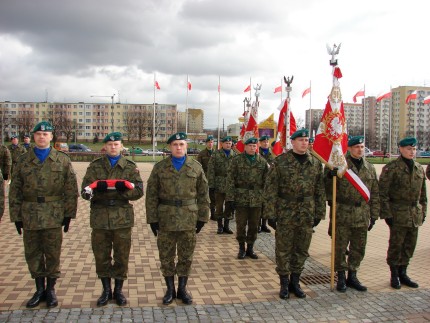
(411, 96)
(252, 126)
(240, 144)
(426, 100)
(383, 96)
(278, 89)
(359, 93)
(280, 137)
(157, 86)
(188, 84)
(307, 91)
(248, 88)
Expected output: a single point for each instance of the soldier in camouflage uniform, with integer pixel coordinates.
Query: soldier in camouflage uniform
(16, 150)
(5, 162)
(402, 191)
(217, 175)
(270, 159)
(295, 203)
(428, 171)
(43, 197)
(244, 187)
(354, 217)
(112, 216)
(177, 208)
(27, 144)
(203, 158)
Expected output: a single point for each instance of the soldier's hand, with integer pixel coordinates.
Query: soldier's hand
(389, 221)
(120, 186)
(316, 222)
(332, 173)
(5, 177)
(19, 226)
(66, 224)
(272, 223)
(372, 223)
(155, 227)
(199, 226)
(102, 186)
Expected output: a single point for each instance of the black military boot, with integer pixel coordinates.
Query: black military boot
(341, 282)
(250, 251)
(405, 279)
(242, 253)
(213, 218)
(353, 281)
(220, 227)
(39, 295)
(106, 293)
(283, 292)
(264, 227)
(51, 298)
(294, 286)
(183, 294)
(170, 292)
(226, 228)
(117, 293)
(395, 282)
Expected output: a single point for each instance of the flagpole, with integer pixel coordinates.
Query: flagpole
(219, 110)
(250, 90)
(364, 115)
(310, 108)
(389, 126)
(333, 233)
(288, 89)
(281, 91)
(186, 109)
(153, 123)
(380, 125)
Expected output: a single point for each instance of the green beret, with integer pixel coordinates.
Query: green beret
(227, 138)
(113, 136)
(209, 138)
(263, 138)
(355, 140)
(408, 141)
(13, 137)
(26, 136)
(311, 140)
(252, 140)
(300, 133)
(177, 136)
(43, 126)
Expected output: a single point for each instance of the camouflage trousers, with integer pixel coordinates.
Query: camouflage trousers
(247, 216)
(401, 246)
(220, 211)
(212, 198)
(291, 247)
(171, 242)
(42, 249)
(356, 238)
(1, 196)
(103, 242)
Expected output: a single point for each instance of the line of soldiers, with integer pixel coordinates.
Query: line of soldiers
(43, 199)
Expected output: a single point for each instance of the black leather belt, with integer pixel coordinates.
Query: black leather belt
(43, 199)
(110, 202)
(178, 203)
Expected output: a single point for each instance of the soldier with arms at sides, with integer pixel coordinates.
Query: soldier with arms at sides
(203, 158)
(43, 197)
(295, 203)
(402, 190)
(27, 144)
(5, 162)
(270, 159)
(16, 150)
(177, 208)
(116, 181)
(354, 217)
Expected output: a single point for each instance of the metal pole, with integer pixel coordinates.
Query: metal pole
(153, 124)
(310, 108)
(219, 109)
(364, 115)
(186, 109)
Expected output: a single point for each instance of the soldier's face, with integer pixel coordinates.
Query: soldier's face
(42, 139)
(408, 152)
(210, 144)
(113, 148)
(26, 140)
(251, 149)
(226, 145)
(15, 141)
(264, 144)
(357, 151)
(300, 145)
(178, 148)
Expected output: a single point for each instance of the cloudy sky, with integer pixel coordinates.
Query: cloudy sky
(74, 49)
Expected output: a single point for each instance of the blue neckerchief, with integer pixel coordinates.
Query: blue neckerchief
(178, 162)
(113, 160)
(265, 151)
(42, 154)
(227, 152)
(26, 146)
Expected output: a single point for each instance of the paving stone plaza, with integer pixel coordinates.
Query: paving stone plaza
(224, 289)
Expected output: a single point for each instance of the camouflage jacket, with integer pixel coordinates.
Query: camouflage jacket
(294, 192)
(54, 179)
(428, 171)
(167, 186)
(203, 158)
(120, 215)
(245, 181)
(270, 157)
(351, 208)
(16, 151)
(218, 169)
(5, 160)
(403, 195)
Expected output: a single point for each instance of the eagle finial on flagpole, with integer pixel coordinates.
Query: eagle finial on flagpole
(333, 52)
